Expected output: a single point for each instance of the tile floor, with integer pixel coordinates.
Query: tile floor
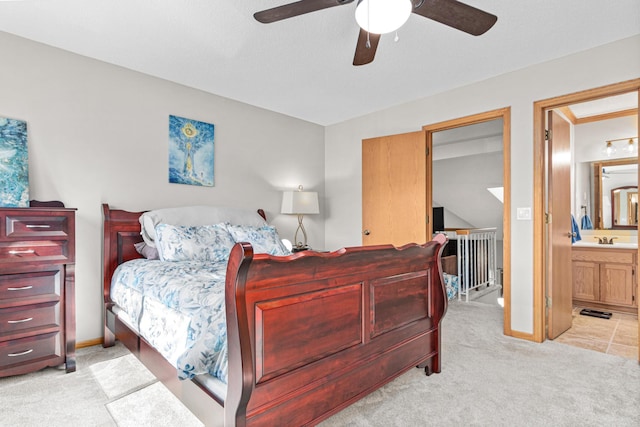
(618, 335)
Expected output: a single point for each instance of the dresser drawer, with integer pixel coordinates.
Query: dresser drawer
(19, 227)
(26, 251)
(30, 285)
(20, 319)
(29, 349)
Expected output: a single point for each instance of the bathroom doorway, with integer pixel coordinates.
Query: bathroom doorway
(544, 293)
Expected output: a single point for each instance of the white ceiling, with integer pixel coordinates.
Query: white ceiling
(302, 66)
(610, 104)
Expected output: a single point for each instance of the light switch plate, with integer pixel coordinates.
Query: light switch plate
(523, 214)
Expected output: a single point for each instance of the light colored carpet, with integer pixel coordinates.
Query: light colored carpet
(121, 376)
(487, 379)
(136, 398)
(151, 406)
(53, 398)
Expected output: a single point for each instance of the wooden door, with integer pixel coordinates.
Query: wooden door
(559, 281)
(394, 189)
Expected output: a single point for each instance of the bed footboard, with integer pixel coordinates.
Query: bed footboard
(312, 333)
(308, 334)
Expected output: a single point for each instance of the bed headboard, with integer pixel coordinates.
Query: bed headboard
(121, 232)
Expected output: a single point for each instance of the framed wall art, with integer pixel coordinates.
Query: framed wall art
(14, 163)
(191, 152)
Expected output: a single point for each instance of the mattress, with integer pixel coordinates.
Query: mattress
(178, 307)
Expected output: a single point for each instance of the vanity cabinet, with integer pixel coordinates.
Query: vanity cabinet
(37, 307)
(605, 278)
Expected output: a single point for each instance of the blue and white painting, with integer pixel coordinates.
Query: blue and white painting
(14, 163)
(190, 152)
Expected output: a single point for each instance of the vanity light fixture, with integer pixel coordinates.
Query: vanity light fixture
(610, 150)
(631, 147)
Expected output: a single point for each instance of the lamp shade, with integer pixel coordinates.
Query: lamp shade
(300, 202)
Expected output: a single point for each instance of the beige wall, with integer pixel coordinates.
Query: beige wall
(600, 66)
(98, 133)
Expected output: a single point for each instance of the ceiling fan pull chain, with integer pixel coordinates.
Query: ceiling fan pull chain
(368, 44)
(396, 38)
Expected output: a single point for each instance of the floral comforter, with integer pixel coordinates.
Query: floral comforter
(178, 307)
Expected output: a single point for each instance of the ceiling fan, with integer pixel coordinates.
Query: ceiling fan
(449, 12)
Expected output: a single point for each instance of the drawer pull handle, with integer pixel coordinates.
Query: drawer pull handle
(28, 319)
(20, 354)
(23, 288)
(25, 252)
(38, 226)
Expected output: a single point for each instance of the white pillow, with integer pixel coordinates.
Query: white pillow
(265, 239)
(198, 243)
(195, 215)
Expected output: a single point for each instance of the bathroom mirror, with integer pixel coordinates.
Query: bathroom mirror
(624, 207)
(615, 190)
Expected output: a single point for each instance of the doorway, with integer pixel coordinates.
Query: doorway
(505, 115)
(542, 261)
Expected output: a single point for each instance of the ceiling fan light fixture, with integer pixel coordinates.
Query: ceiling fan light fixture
(382, 16)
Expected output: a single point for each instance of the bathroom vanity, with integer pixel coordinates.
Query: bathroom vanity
(604, 276)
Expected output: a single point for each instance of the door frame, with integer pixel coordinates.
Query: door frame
(505, 115)
(539, 192)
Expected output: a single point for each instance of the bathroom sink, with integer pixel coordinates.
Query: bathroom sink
(615, 245)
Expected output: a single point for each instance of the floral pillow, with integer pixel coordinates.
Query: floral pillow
(264, 239)
(196, 243)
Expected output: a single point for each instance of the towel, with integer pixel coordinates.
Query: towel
(575, 230)
(586, 222)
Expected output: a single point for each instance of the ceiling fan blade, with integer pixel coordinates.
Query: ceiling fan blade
(457, 15)
(364, 54)
(294, 9)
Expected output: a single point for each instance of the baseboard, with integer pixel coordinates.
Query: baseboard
(89, 343)
(522, 335)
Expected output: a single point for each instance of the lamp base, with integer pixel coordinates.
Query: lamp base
(300, 244)
(300, 248)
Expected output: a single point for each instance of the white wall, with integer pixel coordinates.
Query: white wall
(590, 138)
(98, 133)
(589, 142)
(460, 184)
(519, 90)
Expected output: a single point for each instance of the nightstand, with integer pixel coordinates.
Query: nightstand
(37, 289)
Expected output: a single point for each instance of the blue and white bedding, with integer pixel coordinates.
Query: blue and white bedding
(451, 284)
(178, 307)
(177, 302)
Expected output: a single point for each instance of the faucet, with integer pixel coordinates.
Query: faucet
(604, 241)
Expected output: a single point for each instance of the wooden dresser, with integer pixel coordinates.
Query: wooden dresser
(37, 289)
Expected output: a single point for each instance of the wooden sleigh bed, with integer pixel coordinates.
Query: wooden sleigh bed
(308, 334)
